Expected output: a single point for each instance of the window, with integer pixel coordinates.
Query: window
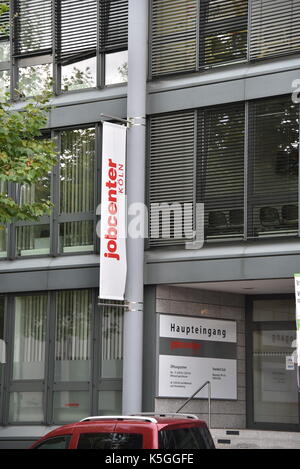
(185, 438)
(191, 35)
(240, 160)
(29, 337)
(274, 28)
(77, 194)
(273, 160)
(73, 332)
(220, 169)
(59, 442)
(272, 338)
(55, 375)
(223, 31)
(110, 441)
(65, 43)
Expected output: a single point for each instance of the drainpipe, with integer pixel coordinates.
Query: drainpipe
(136, 155)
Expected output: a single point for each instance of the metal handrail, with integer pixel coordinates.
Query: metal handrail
(207, 383)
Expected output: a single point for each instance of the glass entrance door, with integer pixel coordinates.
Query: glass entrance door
(273, 385)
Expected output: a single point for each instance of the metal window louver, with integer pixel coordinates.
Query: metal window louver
(76, 30)
(275, 28)
(4, 23)
(223, 31)
(273, 167)
(113, 25)
(174, 36)
(172, 147)
(33, 27)
(220, 169)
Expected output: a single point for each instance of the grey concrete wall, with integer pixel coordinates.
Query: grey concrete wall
(192, 302)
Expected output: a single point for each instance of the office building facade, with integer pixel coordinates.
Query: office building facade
(222, 134)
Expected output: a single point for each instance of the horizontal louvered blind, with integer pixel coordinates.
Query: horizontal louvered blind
(275, 28)
(77, 37)
(273, 160)
(171, 171)
(33, 27)
(174, 36)
(4, 22)
(220, 168)
(223, 31)
(113, 25)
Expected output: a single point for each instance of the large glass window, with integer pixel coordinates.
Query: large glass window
(274, 162)
(112, 342)
(26, 407)
(273, 345)
(220, 169)
(59, 341)
(2, 341)
(73, 336)
(223, 31)
(77, 193)
(29, 337)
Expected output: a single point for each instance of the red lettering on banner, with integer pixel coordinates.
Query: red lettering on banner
(112, 222)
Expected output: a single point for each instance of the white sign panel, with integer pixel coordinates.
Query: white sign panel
(113, 264)
(193, 350)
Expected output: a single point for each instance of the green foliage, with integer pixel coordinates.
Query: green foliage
(25, 157)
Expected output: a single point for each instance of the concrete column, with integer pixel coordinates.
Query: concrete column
(136, 112)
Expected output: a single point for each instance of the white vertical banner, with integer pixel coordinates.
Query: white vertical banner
(297, 292)
(113, 263)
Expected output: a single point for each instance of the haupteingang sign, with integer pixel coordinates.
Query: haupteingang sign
(113, 263)
(193, 350)
(297, 293)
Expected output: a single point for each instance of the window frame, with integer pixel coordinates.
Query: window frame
(48, 386)
(251, 327)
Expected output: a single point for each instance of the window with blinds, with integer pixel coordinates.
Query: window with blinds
(220, 169)
(223, 31)
(174, 36)
(113, 25)
(33, 27)
(73, 335)
(4, 22)
(112, 342)
(275, 28)
(29, 337)
(77, 166)
(273, 167)
(171, 175)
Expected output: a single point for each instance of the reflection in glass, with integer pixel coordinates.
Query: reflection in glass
(4, 51)
(3, 238)
(37, 192)
(33, 240)
(34, 80)
(29, 337)
(2, 343)
(116, 68)
(26, 407)
(110, 403)
(4, 82)
(70, 406)
(223, 31)
(79, 75)
(77, 171)
(112, 342)
(77, 236)
(72, 344)
(273, 191)
(275, 386)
